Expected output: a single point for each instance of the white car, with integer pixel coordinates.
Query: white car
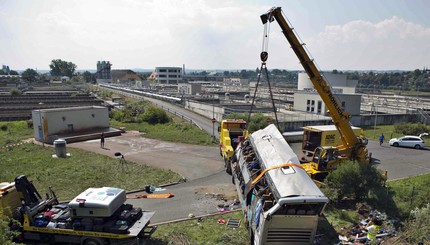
(409, 141)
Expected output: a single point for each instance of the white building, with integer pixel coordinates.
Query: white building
(189, 88)
(50, 123)
(168, 75)
(338, 82)
(311, 102)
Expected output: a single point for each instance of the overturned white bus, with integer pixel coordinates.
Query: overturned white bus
(280, 201)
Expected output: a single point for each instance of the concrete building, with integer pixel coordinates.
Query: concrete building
(236, 82)
(125, 76)
(338, 82)
(168, 75)
(50, 124)
(311, 102)
(103, 74)
(189, 88)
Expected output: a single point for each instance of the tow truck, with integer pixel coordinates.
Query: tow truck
(325, 158)
(231, 132)
(97, 216)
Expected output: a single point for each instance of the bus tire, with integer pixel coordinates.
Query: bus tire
(92, 241)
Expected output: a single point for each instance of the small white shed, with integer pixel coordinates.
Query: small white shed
(49, 123)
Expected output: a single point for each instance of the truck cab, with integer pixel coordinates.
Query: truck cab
(231, 132)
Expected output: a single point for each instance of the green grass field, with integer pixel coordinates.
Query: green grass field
(14, 132)
(208, 231)
(388, 131)
(70, 176)
(177, 131)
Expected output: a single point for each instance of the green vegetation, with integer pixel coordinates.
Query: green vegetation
(62, 68)
(70, 176)
(256, 122)
(176, 131)
(339, 184)
(397, 130)
(406, 199)
(6, 235)
(208, 231)
(14, 132)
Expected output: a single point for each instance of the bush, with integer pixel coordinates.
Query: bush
(3, 127)
(154, 115)
(15, 91)
(353, 180)
(256, 122)
(30, 123)
(418, 226)
(410, 128)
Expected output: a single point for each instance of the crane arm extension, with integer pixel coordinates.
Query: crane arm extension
(271, 168)
(339, 117)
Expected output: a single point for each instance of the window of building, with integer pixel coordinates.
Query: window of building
(308, 105)
(161, 75)
(343, 105)
(312, 105)
(319, 106)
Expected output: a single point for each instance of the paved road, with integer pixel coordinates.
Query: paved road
(203, 168)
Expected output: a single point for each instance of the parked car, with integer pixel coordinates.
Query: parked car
(409, 141)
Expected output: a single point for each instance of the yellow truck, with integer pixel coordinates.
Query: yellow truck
(322, 135)
(231, 131)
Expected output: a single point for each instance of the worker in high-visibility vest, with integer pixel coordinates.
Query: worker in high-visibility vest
(373, 228)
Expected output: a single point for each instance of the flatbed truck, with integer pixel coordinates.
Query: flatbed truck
(97, 216)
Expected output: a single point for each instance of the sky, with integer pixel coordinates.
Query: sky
(209, 35)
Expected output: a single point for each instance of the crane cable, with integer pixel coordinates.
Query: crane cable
(263, 56)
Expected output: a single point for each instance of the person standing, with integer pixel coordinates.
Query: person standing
(102, 140)
(381, 139)
(373, 228)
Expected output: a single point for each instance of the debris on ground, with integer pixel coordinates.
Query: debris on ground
(159, 195)
(233, 223)
(358, 234)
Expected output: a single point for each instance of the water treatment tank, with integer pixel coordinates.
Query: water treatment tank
(60, 148)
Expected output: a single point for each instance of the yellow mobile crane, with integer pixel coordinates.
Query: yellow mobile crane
(353, 147)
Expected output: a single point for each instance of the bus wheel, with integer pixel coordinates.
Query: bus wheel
(92, 241)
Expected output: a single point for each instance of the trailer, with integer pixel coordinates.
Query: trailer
(97, 216)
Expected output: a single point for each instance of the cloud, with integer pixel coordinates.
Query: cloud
(389, 44)
(198, 33)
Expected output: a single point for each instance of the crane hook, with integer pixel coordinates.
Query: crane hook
(263, 56)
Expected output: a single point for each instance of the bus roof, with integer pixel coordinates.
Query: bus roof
(272, 150)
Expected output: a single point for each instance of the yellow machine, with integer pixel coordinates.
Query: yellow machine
(231, 131)
(351, 147)
(322, 135)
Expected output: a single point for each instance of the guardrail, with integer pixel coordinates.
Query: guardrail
(158, 105)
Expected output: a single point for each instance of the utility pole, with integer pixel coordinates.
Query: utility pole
(213, 117)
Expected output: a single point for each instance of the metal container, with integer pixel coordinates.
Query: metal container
(60, 148)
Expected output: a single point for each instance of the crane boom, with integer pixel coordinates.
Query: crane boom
(340, 118)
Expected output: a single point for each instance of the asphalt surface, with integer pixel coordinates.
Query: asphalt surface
(207, 184)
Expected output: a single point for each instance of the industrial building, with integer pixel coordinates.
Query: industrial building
(168, 75)
(103, 74)
(189, 88)
(51, 124)
(339, 83)
(312, 103)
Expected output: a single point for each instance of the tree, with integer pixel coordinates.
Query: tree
(12, 72)
(30, 75)
(88, 77)
(62, 68)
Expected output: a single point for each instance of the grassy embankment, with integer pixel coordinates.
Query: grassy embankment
(176, 131)
(388, 131)
(70, 176)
